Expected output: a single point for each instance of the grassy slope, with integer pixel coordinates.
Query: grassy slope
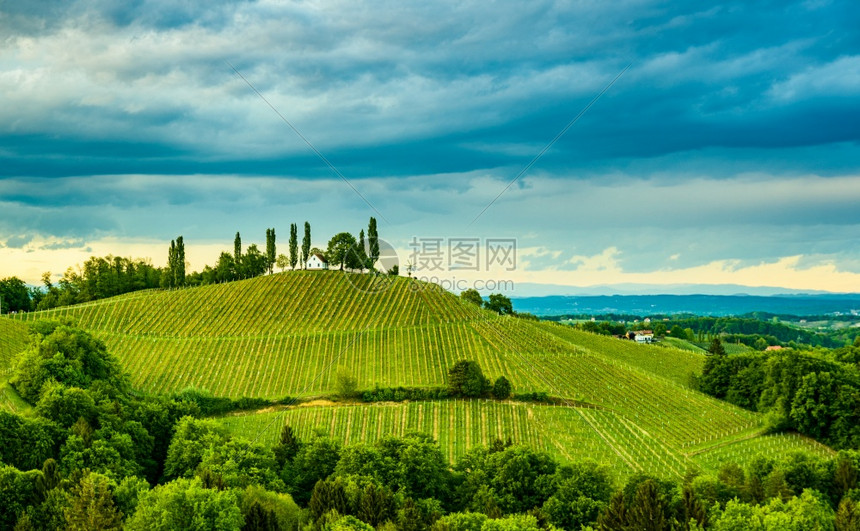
(682, 344)
(284, 334)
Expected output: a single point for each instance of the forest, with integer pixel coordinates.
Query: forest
(816, 393)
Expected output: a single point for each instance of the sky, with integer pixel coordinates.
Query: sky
(663, 143)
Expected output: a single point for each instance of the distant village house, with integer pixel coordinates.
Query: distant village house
(644, 336)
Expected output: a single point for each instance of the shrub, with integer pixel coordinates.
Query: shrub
(502, 388)
(465, 378)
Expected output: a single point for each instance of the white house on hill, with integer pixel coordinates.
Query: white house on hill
(644, 336)
(316, 262)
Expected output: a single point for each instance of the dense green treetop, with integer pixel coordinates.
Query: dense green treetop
(67, 356)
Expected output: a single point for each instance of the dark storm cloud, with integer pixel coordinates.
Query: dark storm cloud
(387, 81)
(734, 134)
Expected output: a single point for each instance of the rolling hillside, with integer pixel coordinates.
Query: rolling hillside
(283, 335)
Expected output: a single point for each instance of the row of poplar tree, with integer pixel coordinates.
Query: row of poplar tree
(102, 277)
(252, 262)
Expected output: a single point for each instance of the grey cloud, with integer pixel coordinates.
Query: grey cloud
(18, 242)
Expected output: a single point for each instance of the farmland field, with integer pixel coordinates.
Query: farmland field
(13, 339)
(284, 335)
(568, 433)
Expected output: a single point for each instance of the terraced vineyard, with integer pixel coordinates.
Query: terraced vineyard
(678, 365)
(283, 335)
(568, 433)
(13, 339)
(458, 425)
(774, 446)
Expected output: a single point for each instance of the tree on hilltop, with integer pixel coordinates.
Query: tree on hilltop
(360, 252)
(168, 280)
(342, 251)
(372, 242)
(14, 295)
(500, 304)
(180, 261)
(306, 245)
(270, 249)
(472, 295)
(253, 263)
(294, 245)
(237, 248)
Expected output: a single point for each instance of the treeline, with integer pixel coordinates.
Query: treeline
(102, 277)
(496, 302)
(752, 332)
(816, 393)
(465, 380)
(749, 330)
(97, 278)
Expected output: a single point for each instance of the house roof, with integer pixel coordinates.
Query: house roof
(320, 257)
(774, 347)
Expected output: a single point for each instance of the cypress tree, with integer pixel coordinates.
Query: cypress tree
(294, 245)
(306, 245)
(270, 249)
(847, 516)
(693, 508)
(375, 505)
(49, 479)
(237, 255)
(716, 348)
(287, 447)
(92, 506)
(169, 278)
(615, 516)
(179, 270)
(845, 476)
(328, 495)
(361, 252)
(647, 512)
(373, 242)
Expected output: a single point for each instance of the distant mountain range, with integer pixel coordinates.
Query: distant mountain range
(541, 290)
(717, 305)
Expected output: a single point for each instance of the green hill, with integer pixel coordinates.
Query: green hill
(283, 335)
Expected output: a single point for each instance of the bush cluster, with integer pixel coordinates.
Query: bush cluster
(399, 394)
